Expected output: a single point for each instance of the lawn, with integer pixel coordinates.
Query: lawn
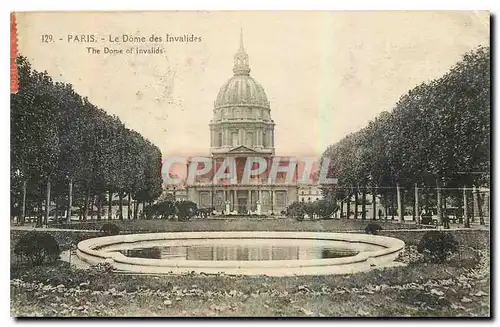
(460, 287)
(243, 224)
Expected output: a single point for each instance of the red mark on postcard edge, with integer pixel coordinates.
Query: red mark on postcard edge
(14, 85)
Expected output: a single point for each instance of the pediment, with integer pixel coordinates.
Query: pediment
(241, 149)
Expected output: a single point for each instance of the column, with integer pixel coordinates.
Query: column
(235, 200)
(227, 206)
(249, 203)
(273, 199)
(259, 202)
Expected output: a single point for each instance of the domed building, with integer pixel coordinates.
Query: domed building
(242, 114)
(242, 127)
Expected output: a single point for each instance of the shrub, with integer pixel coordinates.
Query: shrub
(324, 208)
(373, 229)
(186, 210)
(110, 229)
(296, 210)
(436, 246)
(37, 248)
(410, 255)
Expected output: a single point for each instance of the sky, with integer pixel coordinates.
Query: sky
(326, 74)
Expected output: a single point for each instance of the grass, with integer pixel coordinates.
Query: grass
(457, 288)
(389, 292)
(253, 224)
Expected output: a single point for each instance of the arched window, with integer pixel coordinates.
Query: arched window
(264, 139)
(219, 139)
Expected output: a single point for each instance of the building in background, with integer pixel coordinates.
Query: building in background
(174, 193)
(242, 127)
(309, 193)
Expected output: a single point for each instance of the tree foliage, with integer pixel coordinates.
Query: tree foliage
(59, 136)
(437, 133)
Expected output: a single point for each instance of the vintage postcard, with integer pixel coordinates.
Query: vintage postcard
(250, 164)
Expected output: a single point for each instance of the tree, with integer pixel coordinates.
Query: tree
(61, 141)
(437, 136)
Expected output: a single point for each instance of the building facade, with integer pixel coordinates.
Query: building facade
(242, 127)
(174, 193)
(309, 193)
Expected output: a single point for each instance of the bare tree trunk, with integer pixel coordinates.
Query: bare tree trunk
(348, 213)
(99, 206)
(472, 208)
(416, 209)
(439, 204)
(110, 203)
(86, 205)
(47, 202)
(363, 204)
(128, 207)
(374, 204)
(23, 208)
(55, 214)
(91, 206)
(142, 211)
(40, 207)
(136, 205)
(477, 200)
(392, 205)
(445, 209)
(120, 205)
(400, 207)
(356, 204)
(466, 213)
(70, 201)
(385, 205)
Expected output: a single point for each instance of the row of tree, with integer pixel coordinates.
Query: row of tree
(67, 151)
(437, 137)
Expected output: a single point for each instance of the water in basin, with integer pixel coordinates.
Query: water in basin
(239, 252)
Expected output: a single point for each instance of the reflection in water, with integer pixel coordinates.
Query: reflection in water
(238, 252)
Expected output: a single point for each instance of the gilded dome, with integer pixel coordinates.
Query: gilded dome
(242, 89)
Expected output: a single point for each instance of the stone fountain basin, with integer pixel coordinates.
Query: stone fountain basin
(374, 251)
